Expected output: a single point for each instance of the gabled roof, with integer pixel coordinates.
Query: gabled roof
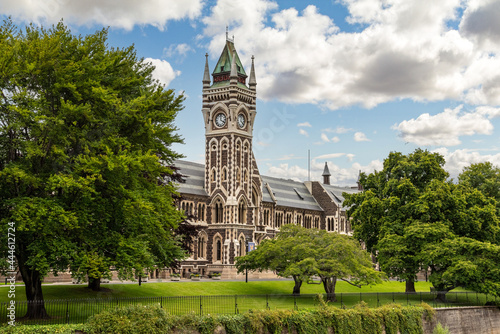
(225, 59)
(194, 174)
(336, 192)
(289, 193)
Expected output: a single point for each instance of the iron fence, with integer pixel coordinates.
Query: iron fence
(63, 311)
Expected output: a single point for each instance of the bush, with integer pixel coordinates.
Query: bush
(131, 320)
(42, 329)
(440, 330)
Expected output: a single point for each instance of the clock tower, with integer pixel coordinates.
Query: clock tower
(232, 179)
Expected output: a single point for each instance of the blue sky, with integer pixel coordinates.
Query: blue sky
(349, 80)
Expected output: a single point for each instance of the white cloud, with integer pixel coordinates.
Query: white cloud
(122, 14)
(325, 138)
(402, 49)
(303, 132)
(305, 124)
(360, 136)
(458, 159)
(163, 71)
(338, 130)
(335, 139)
(329, 156)
(340, 176)
(177, 50)
(446, 128)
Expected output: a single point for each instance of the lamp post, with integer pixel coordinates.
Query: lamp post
(246, 269)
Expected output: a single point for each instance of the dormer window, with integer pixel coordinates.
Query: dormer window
(222, 68)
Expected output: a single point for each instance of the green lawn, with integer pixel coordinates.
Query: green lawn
(205, 288)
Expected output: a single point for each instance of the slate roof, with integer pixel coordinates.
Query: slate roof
(286, 192)
(194, 175)
(290, 193)
(335, 193)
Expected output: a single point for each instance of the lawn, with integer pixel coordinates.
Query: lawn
(203, 288)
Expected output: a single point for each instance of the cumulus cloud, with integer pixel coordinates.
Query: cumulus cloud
(177, 50)
(305, 124)
(163, 70)
(340, 176)
(458, 159)
(447, 127)
(402, 49)
(360, 136)
(303, 132)
(123, 14)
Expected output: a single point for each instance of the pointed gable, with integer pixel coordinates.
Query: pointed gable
(222, 70)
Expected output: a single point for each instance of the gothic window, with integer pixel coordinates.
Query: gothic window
(202, 246)
(218, 212)
(245, 176)
(242, 212)
(242, 250)
(218, 249)
(238, 174)
(213, 175)
(201, 212)
(224, 174)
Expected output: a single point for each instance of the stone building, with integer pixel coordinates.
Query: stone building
(235, 206)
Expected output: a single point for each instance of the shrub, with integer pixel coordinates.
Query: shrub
(42, 329)
(440, 330)
(131, 320)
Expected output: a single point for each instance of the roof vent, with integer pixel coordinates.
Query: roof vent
(298, 194)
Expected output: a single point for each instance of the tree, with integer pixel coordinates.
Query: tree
(85, 138)
(428, 226)
(385, 208)
(303, 253)
(484, 177)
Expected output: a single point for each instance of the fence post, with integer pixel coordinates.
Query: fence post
(377, 300)
(236, 304)
(201, 307)
(267, 301)
(295, 302)
(67, 311)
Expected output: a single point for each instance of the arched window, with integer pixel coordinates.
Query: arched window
(202, 246)
(213, 175)
(242, 212)
(224, 174)
(218, 250)
(242, 250)
(218, 213)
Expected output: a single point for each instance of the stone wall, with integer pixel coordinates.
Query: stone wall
(466, 320)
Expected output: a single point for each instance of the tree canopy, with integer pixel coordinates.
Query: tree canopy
(303, 253)
(409, 219)
(86, 136)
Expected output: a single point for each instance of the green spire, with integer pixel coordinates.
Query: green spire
(223, 68)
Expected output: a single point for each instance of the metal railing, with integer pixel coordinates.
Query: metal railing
(63, 311)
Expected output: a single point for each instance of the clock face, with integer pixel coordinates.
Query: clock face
(220, 120)
(241, 121)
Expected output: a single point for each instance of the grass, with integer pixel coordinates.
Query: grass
(202, 288)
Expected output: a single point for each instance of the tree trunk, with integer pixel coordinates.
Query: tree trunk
(410, 286)
(95, 284)
(298, 284)
(441, 296)
(33, 284)
(329, 285)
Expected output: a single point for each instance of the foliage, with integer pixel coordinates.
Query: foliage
(303, 253)
(131, 319)
(439, 329)
(360, 319)
(413, 219)
(85, 138)
(42, 329)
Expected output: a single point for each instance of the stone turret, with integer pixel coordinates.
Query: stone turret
(326, 174)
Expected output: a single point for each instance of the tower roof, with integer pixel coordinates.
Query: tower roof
(326, 171)
(225, 60)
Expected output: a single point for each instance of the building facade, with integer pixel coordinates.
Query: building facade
(234, 206)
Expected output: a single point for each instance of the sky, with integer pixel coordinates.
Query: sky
(340, 81)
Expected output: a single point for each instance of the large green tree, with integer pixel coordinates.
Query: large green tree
(86, 136)
(383, 211)
(410, 227)
(303, 253)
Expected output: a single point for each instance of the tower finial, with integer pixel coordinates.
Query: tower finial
(252, 82)
(227, 32)
(233, 76)
(206, 74)
(326, 174)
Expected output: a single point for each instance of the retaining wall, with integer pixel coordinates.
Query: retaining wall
(466, 320)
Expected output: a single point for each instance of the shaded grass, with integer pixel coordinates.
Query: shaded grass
(203, 288)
